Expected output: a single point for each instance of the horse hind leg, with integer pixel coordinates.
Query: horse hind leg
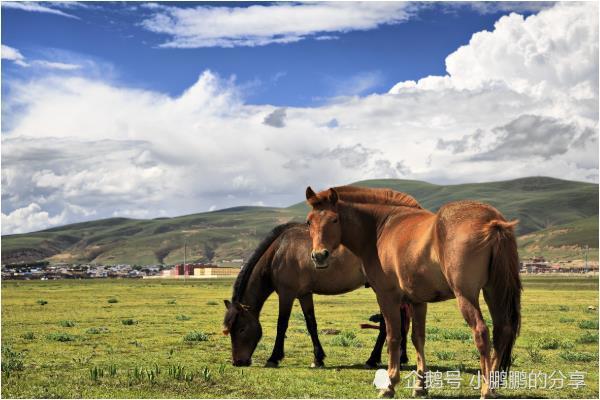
(375, 358)
(469, 308)
(308, 308)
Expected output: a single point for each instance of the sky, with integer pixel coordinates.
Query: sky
(145, 110)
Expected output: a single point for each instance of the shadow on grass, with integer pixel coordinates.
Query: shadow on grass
(403, 368)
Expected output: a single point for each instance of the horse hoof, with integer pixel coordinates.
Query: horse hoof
(317, 364)
(371, 365)
(386, 393)
(419, 392)
(271, 364)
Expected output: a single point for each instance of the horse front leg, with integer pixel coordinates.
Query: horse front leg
(308, 308)
(391, 314)
(418, 339)
(285, 309)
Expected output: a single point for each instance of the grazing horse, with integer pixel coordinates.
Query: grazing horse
(281, 263)
(413, 255)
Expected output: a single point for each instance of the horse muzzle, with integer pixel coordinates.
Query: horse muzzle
(320, 258)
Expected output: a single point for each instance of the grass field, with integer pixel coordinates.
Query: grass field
(153, 338)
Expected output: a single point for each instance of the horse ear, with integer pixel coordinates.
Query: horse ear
(310, 193)
(227, 304)
(333, 197)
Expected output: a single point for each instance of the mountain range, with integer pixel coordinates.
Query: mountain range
(558, 218)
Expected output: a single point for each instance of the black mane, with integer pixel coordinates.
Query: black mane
(244, 276)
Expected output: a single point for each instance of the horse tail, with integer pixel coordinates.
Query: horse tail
(503, 290)
(244, 276)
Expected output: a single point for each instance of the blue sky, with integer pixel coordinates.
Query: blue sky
(304, 73)
(145, 110)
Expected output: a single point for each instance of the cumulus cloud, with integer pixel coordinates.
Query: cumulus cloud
(43, 7)
(489, 118)
(276, 119)
(535, 136)
(259, 25)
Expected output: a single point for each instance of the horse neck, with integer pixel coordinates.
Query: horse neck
(258, 289)
(363, 224)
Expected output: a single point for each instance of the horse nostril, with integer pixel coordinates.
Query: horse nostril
(325, 253)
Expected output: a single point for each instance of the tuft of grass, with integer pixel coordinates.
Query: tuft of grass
(60, 337)
(11, 361)
(444, 355)
(565, 320)
(535, 354)
(588, 337)
(42, 302)
(575, 356)
(172, 301)
(547, 343)
(178, 372)
(129, 321)
(212, 303)
(182, 318)
(67, 324)
(588, 324)
(112, 300)
(97, 331)
(195, 336)
(206, 374)
(96, 373)
(346, 339)
(563, 308)
(28, 336)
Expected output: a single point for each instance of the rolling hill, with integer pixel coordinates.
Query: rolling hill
(554, 214)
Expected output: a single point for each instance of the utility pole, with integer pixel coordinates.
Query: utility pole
(184, 260)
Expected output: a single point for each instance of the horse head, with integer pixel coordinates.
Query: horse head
(245, 332)
(324, 227)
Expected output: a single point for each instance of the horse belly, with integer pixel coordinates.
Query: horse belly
(426, 284)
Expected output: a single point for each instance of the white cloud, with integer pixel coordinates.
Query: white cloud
(55, 65)
(30, 218)
(259, 25)
(121, 151)
(12, 54)
(43, 7)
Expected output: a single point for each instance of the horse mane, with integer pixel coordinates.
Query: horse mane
(239, 287)
(358, 194)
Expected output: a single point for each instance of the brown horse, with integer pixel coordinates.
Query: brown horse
(281, 263)
(413, 255)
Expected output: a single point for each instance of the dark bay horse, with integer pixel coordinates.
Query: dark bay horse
(281, 263)
(413, 255)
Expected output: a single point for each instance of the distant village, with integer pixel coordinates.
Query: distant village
(44, 270)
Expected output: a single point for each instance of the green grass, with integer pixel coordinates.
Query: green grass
(195, 337)
(564, 213)
(151, 360)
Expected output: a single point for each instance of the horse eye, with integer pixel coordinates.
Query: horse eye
(335, 220)
(242, 330)
(308, 222)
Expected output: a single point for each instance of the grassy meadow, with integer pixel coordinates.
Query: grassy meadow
(160, 338)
